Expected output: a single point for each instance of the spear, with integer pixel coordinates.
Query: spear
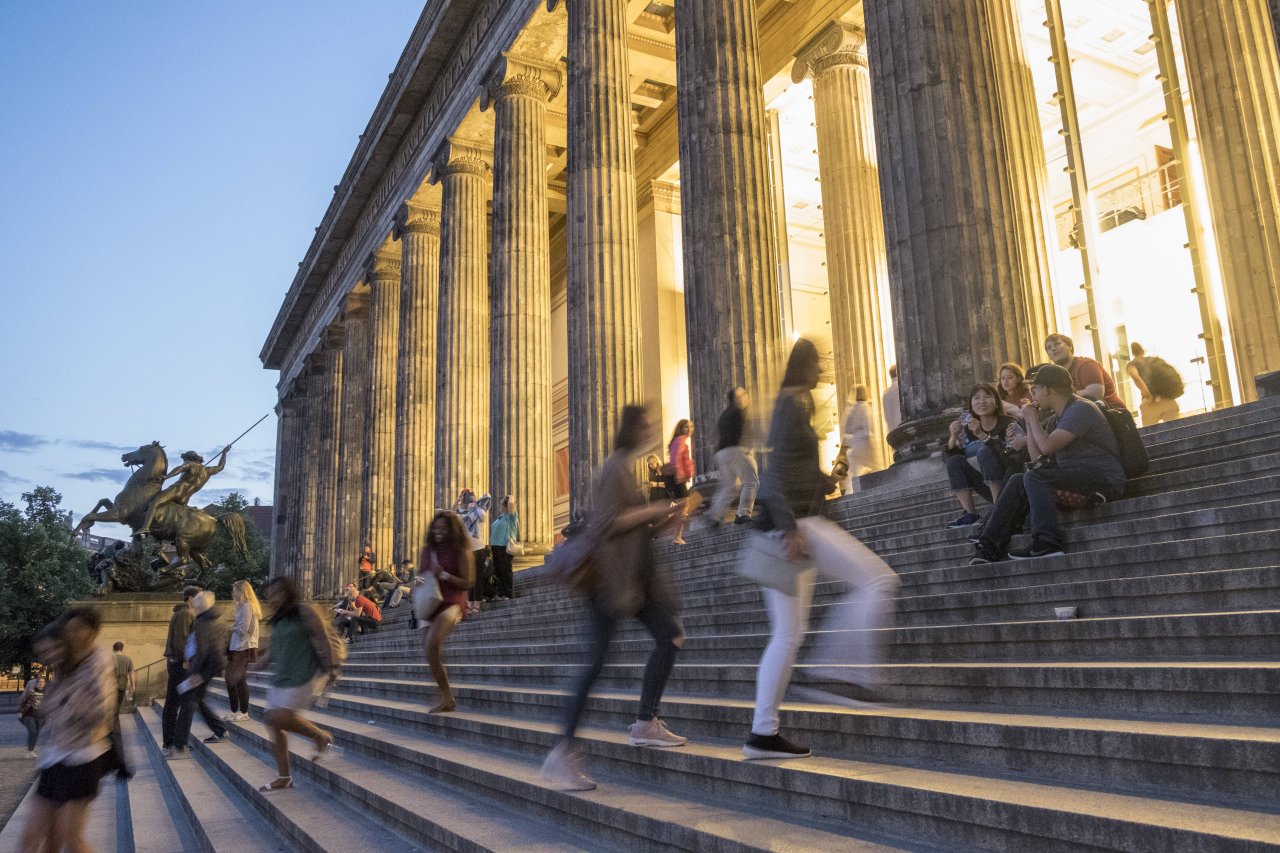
(246, 432)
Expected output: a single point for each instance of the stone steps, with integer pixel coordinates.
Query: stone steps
(933, 801)
(157, 822)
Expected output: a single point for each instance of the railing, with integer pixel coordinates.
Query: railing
(150, 682)
(1139, 198)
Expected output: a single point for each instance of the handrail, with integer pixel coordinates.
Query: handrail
(142, 693)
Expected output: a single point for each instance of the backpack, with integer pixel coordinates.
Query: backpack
(1133, 455)
(1163, 380)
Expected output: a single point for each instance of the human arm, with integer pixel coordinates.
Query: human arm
(1089, 379)
(1136, 376)
(222, 462)
(1039, 441)
(176, 471)
(465, 577)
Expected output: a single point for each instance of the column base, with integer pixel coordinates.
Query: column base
(921, 438)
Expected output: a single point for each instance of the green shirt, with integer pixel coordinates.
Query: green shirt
(294, 661)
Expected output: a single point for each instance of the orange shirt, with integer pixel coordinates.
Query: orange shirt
(1085, 372)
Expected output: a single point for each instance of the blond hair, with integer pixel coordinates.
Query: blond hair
(244, 590)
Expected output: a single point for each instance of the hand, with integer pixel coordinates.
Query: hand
(225, 449)
(1031, 412)
(794, 545)
(1018, 442)
(956, 428)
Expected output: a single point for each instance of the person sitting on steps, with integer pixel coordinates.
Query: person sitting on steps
(1085, 458)
(976, 452)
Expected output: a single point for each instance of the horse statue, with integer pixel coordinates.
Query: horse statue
(188, 529)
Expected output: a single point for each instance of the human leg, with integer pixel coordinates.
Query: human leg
(32, 724)
(206, 713)
(433, 644)
(724, 489)
(69, 820)
(964, 480)
(503, 573)
(788, 621)
(602, 625)
(186, 713)
(746, 471)
(1041, 488)
(992, 471)
(660, 618)
(854, 632)
(38, 835)
(1008, 513)
(175, 673)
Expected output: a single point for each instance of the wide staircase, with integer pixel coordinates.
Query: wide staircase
(1151, 722)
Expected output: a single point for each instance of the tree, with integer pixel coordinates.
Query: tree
(41, 571)
(229, 565)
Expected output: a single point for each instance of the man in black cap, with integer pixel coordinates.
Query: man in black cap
(1085, 459)
(175, 653)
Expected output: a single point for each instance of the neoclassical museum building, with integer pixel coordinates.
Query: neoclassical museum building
(561, 207)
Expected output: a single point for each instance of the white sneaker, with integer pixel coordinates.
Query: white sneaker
(31, 753)
(563, 769)
(654, 733)
(229, 717)
(241, 717)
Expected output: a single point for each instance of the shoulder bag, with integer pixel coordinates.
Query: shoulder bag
(764, 561)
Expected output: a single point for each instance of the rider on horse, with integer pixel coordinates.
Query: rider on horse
(194, 475)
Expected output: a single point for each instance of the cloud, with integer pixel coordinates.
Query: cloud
(259, 469)
(7, 479)
(20, 442)
(113, 475)
(88, 444)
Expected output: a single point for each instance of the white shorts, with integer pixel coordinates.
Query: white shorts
(298, 698)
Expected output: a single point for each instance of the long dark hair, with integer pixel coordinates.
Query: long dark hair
(1021, 391)
(990, 389)
(457, 539)
(289, 606)
(802, 366)
(681, 426)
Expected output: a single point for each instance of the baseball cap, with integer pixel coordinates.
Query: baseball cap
(1054, 376)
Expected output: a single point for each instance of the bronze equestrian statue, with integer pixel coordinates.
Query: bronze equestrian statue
(142, 505)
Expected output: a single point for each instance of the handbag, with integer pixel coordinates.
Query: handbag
(515, 547)
(426, 597)
(764, 562)
(572, 563)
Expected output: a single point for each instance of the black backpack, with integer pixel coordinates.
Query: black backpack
(1133, 454)
(1163, 380)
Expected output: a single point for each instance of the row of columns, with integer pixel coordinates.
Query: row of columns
(934, 186)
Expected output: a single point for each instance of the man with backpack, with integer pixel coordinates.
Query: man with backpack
(1158, 382)
(1077, 452)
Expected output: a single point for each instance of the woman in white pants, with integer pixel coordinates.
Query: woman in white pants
(792, 496)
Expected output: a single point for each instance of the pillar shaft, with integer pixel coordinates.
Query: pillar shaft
(380, 428)
(329, 425)
(309, 476)
(416, 379)
(733, 315)
(283, 557)
(602, 305)
(1233, 73)
(853, 224)
(462, 405)
(521, 450)
(957, 279)
(356, 366)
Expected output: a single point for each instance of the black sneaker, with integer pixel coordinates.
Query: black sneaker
(742, 519)
(1037, 549)
(983, 555)
(215, 738)
(773, 746)
(965, 519)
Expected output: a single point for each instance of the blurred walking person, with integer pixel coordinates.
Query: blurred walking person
(628, 584)
(78, 710)
(242, 650)
(176, 669)
(448, 556)
(680, 468)
(792, 499)
(855, 437)
(125, 684)
(206, 660)
(734, 462)
(302, 665)
(47, 649)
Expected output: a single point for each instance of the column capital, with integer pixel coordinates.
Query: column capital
(355, 306)
(836, 44)
(383, 266)
(461, 156)
(664, 196)
(520, 76)
(417, 219)
(316, 363)
(333, 337)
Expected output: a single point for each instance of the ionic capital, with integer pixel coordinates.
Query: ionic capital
(383, 266)
(461, 156)
(518, 76)
(416, 219)
(837, 44)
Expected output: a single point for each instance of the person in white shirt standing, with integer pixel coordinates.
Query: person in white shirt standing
(243, 649)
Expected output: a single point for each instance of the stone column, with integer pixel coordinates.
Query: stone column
(296, 406)
(329, 428)
(283, 557)
(1233, 73)
(462, 402)
(309, 475)
(521, 454)
(730, 270)
(380, 428)
(853, 222)
(602, 310)
(356, 366)
(419, 233)
(957, 281)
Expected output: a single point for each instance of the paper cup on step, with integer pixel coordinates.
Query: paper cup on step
(1066, 612)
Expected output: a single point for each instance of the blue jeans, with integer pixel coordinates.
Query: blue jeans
(1033, 494)
(962, 476)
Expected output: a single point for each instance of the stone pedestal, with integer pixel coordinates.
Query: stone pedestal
(419, 233)
(329, 427)
(462, 405)
(356, 352)
(601, 301)
(853, 223)
(1233, 72)
(954, 237)
(521, 452)
(730, 269)
(380, 428)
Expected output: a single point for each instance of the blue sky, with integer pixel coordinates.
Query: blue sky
(162, 170)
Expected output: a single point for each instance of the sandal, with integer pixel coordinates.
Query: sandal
(277, 784)
(444, 708)
(322, 746)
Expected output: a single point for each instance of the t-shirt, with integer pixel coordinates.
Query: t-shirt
(370, 609)
(124, 666)
(294, 661)
(730, 426)
(504, 529)
(1094, 446)
(1085, 372)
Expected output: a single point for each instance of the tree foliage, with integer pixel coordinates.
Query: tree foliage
(229, 565)
(41, 571)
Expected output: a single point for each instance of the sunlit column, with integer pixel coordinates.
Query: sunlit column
(355, 406)
(380, 428)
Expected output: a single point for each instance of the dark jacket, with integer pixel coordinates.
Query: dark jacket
(211, 646)
(731, 425)
(793, 486)
(179, 628)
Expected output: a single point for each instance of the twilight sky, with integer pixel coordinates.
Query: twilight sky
(163, 167)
